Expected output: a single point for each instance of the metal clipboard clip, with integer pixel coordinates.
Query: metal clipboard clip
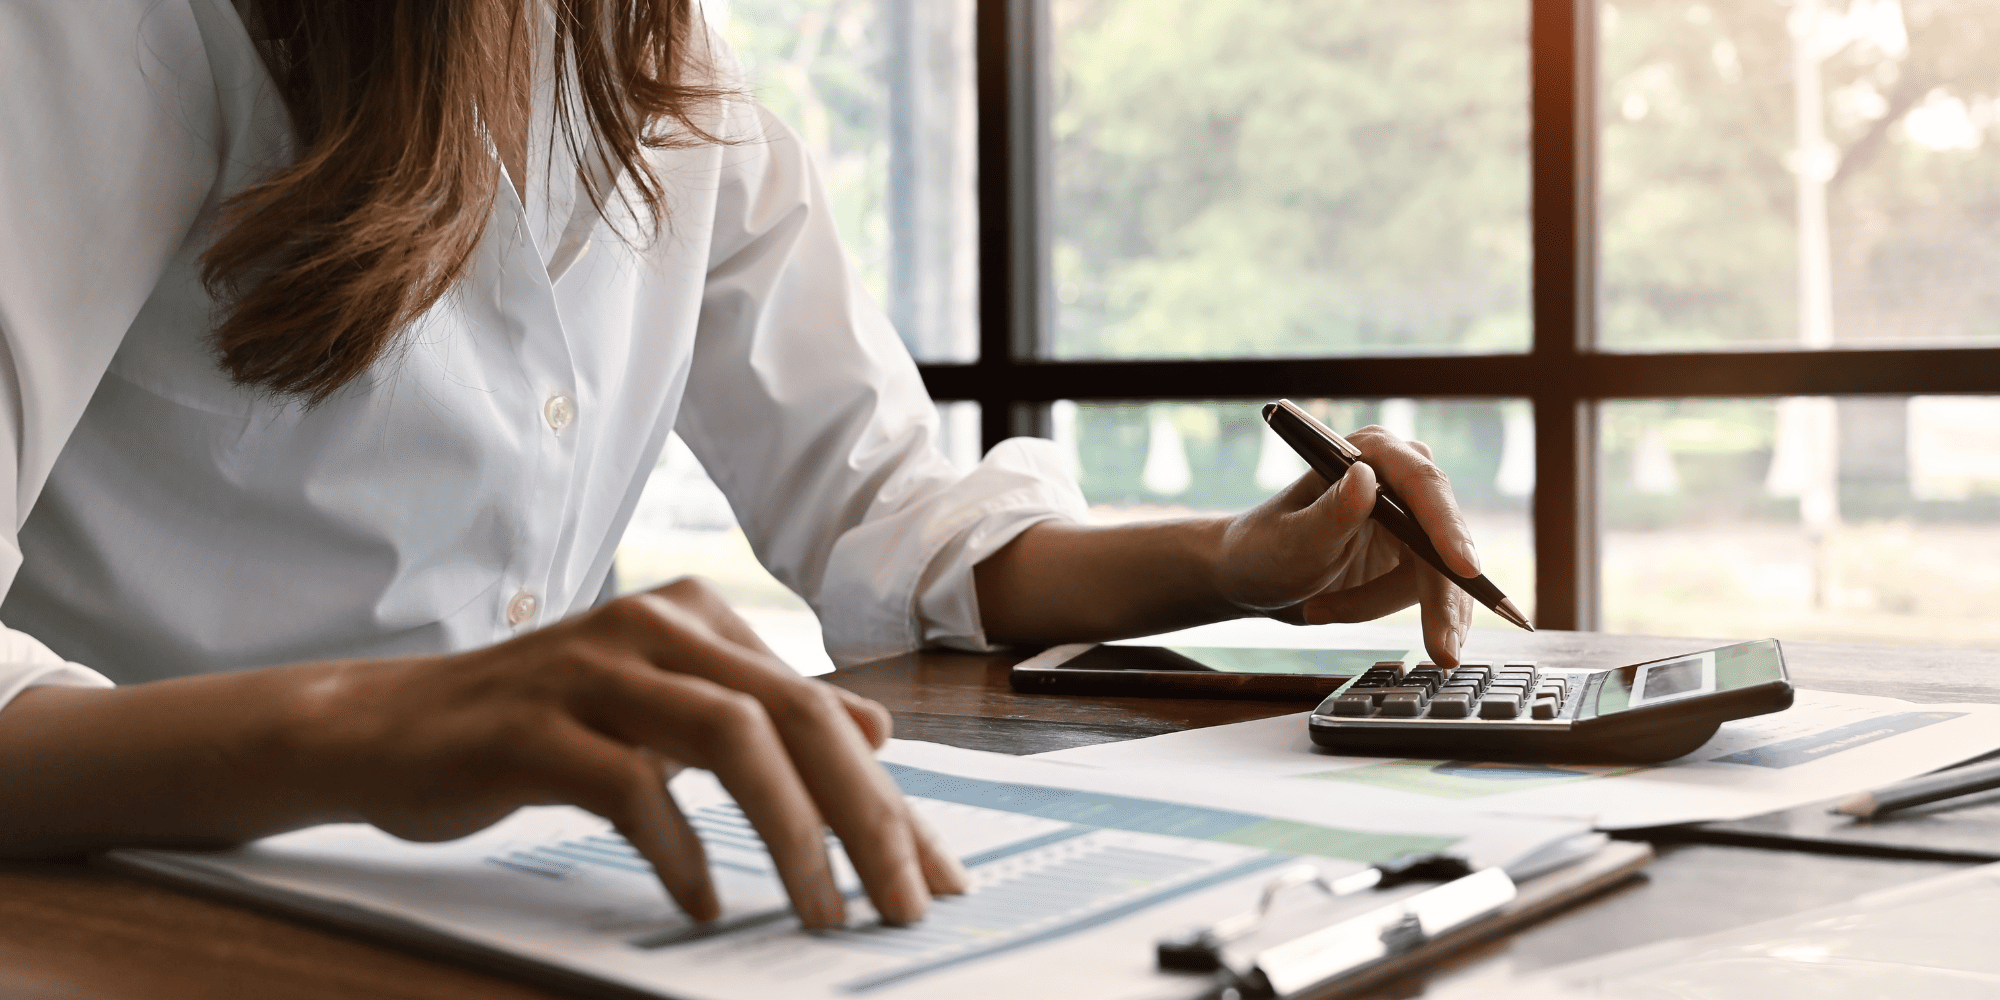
(1287, 967)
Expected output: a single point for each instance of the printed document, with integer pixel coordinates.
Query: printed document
(1076, 873)
(1826, 745)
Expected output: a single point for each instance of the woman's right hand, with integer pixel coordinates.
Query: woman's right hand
(598, 710)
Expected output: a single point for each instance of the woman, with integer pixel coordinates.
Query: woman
(341, 334)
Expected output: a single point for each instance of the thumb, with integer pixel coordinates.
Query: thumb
(1343, 509)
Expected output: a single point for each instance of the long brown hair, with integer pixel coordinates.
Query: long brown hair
(397, 107)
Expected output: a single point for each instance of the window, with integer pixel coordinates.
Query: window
(1727, 264)
(1693, 298)
(1286, 178)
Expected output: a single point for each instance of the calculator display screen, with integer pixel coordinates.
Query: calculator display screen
(1676, 677)
(1686, 677)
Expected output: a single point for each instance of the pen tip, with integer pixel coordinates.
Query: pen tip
(1513, 614)
(1862, 805)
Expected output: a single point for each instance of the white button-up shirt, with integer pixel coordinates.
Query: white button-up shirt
(156, 520)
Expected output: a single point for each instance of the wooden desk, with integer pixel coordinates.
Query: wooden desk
(70, 933)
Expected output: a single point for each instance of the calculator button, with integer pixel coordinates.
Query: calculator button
(1468, 690)
(1353, 705)
(1546, 708)
(1526, 667)
(1507, 690)
(1452, 704)
(1403, 704)
(1500, 706)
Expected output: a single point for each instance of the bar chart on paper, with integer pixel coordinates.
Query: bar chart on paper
(1070, 860)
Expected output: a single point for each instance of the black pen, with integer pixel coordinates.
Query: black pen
(1918, 791)
(1331, 456)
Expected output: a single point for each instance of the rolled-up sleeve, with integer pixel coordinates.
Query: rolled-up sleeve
(812, 418)
(26, 663)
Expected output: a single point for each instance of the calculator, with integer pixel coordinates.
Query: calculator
(1519, 710)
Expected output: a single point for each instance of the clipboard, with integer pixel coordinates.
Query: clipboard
(1373, 938)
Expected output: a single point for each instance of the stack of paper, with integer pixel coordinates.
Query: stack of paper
(1076, 873)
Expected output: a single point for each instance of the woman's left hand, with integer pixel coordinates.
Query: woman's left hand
(1312, 555)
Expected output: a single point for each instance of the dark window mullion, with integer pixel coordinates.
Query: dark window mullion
(1596, 376)
(1562, 140)
(1011, 48)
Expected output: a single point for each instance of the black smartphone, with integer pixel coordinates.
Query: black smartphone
(1197, 671)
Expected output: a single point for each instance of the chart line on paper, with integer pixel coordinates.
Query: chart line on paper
(1821, 745)
(1173, 819)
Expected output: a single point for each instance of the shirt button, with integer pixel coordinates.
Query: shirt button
(559, 412)
(521, 608)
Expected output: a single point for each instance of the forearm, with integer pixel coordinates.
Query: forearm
(1061, 582)
(200, 760)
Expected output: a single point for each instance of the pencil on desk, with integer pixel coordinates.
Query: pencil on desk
(1917, 791)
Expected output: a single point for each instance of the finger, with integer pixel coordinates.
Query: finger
(942, 869)
(1350, 501)
(1447, 614)
(626, 786)
(1407, 469)
(828, 755)
(860, 802)
(1301, 492)
(877, 725)
(1386, 594)
(708, 725)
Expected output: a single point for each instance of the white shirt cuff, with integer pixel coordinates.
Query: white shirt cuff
(869, 613)
(26, 663)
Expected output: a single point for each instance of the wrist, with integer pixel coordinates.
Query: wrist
(307, 739)
(1213, 564)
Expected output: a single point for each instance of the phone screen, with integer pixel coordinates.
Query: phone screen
(1236, 660)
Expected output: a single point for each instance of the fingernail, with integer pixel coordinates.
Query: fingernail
(827, 910)
(1359, 480)
(957, 879)
(1469, 554)
(911, 898)
(951, 878)
(703, 905)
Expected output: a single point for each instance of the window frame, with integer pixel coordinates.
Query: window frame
(1564, 374)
